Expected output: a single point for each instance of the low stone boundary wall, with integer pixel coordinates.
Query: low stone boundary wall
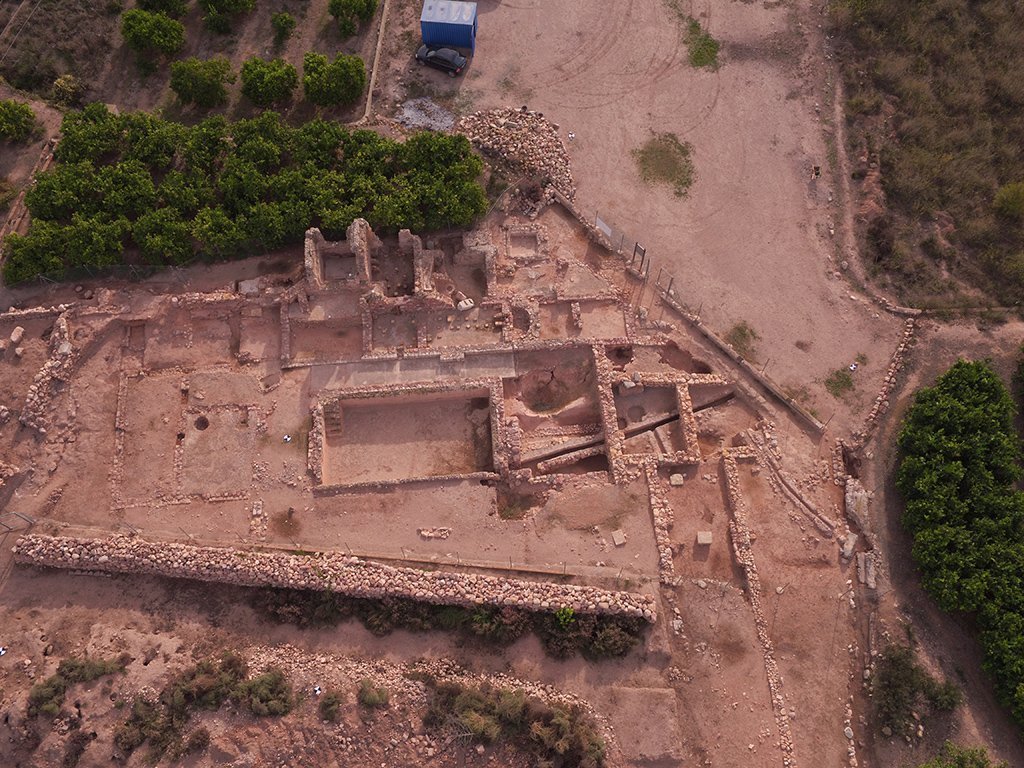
(345, 575)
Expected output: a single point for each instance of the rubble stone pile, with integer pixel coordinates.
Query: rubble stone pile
(342, 574)
(524, 140)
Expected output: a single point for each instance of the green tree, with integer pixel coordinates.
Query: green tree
(283, 24)
(216, 233)
(164, 237)
(148, 33)
(92, 133)
(173, 8)
(349, 12)
(217, 13)
(17, 121)
(336, 82)
(954, 756)
(202, 82)
(266, 83)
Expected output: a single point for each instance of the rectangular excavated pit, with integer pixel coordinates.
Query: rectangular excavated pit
(406, 436)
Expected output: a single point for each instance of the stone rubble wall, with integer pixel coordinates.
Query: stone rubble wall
(881, 404)
(57, 368)
(339, 573)
(664, 518)
(742, 545)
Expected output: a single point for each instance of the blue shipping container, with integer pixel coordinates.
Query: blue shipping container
(449, 23)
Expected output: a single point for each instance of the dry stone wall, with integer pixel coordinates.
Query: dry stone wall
(339, 573)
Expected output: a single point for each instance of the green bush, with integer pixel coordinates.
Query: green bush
(48, 696)
(228, 189)
(267, 694)
(556, 736)
(266, 83)
(901, 687)
(596, 637)
(202, 82)
(330, 706)
(283, 24)
(957, 474)
(371, 695)
(148, 33)
(217, 13)
(67, 91)
(1009, 201)
(349, 13)
(207, 685)
(327, 83)
(173, 8)
(703, 48)
(17, 121)
(954, 756)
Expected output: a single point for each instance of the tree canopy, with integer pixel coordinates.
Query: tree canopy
(17, 121)
(148, 32)
(960, 462)
(225, 189)
(266, 83)
(348, 14)
(200, 82)
(327, 83)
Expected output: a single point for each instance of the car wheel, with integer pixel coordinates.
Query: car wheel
(451, 74)
(421, 62)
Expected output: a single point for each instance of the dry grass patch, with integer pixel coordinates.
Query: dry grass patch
(664, 159)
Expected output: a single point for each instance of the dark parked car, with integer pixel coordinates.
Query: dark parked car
(444, 59)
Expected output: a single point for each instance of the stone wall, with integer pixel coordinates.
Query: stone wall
(339, 573)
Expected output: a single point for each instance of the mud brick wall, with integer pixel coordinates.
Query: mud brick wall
(346, 575)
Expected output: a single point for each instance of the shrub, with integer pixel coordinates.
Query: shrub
(200, 82)
(954, 756)
(67, 91)
(1009, 201)
(330, 706)
(283, 24)
(329, 83)
(371, 695)
(148, 33)
(266, 83)
(75, 747)
(48, 696)
(17, 121)
(267, 694)
(901, 687)
(702, 47)
(173, 8)
(555, 735)
(207, 685)
(217, 13)
(664, 159)
(839, 382)
(349, 12)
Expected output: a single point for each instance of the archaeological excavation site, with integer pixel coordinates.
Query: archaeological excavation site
(515, 420)
(368, 402)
